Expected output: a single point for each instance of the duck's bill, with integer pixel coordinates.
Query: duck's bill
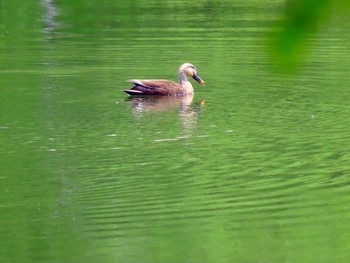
(198, 79)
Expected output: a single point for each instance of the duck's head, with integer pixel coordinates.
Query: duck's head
(191, 71)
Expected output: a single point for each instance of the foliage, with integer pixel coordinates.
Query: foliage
(302, 19)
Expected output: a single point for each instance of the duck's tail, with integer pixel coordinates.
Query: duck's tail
(133, 92)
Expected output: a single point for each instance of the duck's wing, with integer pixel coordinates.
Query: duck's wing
(143, 83)
(153, 87)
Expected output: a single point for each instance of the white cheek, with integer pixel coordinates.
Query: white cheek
(190, 72)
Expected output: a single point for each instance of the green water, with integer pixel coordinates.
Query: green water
(253, 168)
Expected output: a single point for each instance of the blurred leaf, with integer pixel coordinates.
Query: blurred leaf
(302, 18)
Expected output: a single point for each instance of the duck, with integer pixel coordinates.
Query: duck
(162, 87)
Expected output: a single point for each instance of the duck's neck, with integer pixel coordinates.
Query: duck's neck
(185, 83)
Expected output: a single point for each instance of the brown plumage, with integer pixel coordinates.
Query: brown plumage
(162, 87)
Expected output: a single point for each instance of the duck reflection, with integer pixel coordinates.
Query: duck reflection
(188, 110)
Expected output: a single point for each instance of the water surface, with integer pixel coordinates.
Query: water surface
(252, 168)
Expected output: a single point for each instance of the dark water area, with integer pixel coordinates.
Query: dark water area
(254, 167)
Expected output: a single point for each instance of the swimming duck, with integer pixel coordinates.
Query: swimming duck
(161, 87)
